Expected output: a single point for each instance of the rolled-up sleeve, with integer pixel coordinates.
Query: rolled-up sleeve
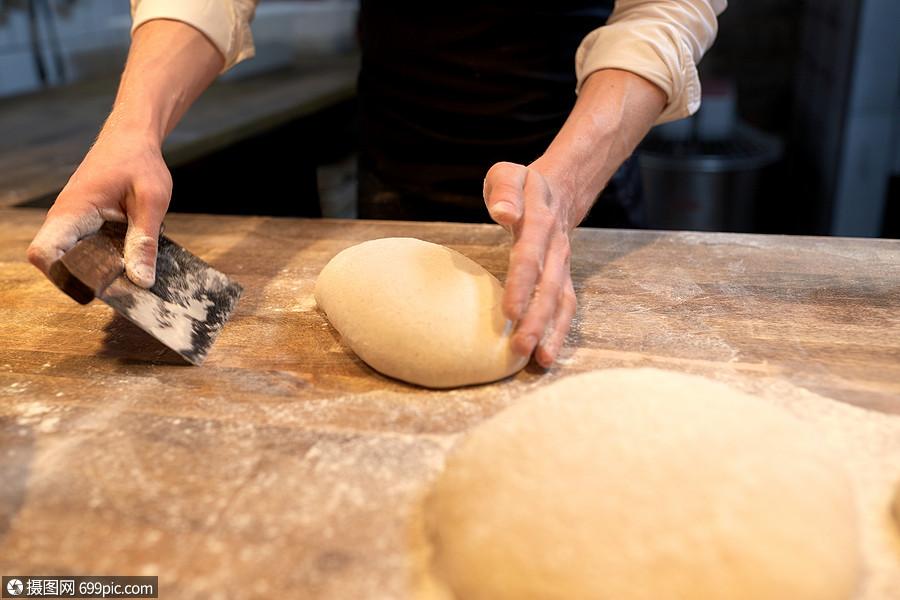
(660, 40)
(225, 22)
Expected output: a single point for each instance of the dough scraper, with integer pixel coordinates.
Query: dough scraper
(186, 307)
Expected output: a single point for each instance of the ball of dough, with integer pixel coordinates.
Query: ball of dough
(643, 485)
(419, 312)
(896, 506)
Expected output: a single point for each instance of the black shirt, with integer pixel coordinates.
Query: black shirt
(448, 89)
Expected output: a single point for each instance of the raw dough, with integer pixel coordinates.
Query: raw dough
(419, 312)
(642, 485)
(896, 506)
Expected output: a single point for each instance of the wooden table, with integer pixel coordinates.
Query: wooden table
(46, 134)
(284, 467)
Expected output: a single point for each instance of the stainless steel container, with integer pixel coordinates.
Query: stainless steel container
(705, 185)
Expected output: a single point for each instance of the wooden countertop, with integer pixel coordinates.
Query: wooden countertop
(46, 134)
(284, 467)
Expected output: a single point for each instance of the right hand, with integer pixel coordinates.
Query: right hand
(123, 178)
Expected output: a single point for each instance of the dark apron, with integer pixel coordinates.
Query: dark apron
(448, 89)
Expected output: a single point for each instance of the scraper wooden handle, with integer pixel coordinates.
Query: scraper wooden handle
(92, 264)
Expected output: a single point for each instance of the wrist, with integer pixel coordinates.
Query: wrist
(615, 109)
(139, 128)
(563, 188)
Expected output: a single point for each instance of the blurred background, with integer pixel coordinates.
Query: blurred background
(799, 131)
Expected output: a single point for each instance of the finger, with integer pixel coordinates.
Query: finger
(526, 259)
(555, 337)
(144, 224)
(543, 307)
(503, 192)
(66, 223)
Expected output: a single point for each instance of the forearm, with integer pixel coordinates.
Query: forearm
(169, 65)
(614, 111)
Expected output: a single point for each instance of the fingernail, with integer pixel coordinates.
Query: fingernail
(502, 210)
(548, 356)
(502, 206)
(528, 345)
(544, 361)
(142, 275)
(515, 312)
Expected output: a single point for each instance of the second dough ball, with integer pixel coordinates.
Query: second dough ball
(419, 312)
(643, 485)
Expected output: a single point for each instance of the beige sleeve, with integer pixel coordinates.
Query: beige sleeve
(660, 40)
(225, 22)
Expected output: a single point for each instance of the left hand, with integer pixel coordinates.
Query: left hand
(539, 295)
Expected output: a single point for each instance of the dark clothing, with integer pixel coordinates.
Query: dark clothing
(620, 205)
(448, 89)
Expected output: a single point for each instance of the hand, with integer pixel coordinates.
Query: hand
(539, 295)
(122, 178)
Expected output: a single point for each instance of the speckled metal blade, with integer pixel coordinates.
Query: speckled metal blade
(185, 309)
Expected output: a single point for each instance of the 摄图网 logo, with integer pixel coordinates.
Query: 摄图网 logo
(14, 587)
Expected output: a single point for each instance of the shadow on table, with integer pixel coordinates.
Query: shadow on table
(614, 244)
(129, 344)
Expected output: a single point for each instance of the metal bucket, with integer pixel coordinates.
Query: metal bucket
(705, 185)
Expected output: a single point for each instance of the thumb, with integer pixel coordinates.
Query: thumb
(503, 192)
(141, 242)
